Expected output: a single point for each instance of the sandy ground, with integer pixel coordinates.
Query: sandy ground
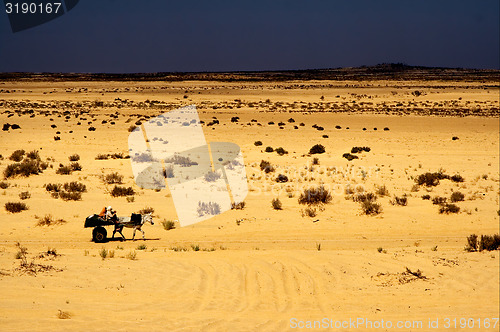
(258, 269)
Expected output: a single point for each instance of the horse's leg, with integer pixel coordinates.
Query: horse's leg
(133, 234)
(140, 228)
(114, 231)
(120, 231)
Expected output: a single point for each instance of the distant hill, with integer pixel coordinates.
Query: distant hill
(386, 71)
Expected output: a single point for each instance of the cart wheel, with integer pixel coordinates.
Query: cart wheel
(99, 234)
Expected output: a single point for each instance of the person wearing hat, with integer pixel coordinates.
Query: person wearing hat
(109, 214)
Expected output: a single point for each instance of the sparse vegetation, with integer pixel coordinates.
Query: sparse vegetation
(17, 155)
(281, 151)
(317, 149)
(141, 247)
(147, 210)
(276, 204)
(74, 157)
(359, 149)
(15, 207)
(257, 143)
(4, 185)
(438, 200)
(168, 225)
(401, 201)
(382, 191)
(486, 242)
(449, 208)
(113, 178)
(426, 197)
(132, 255)
(119, 191)
(64, 170)
(269, 149)
(318, 195)
(24, 195)
(349, 156)
(430, 179)
(310, 212)
(281, 178)
(211, 208)
(266, 166)
(238, 206)
(25, 168)
(48, 220)
(457, 196)
(74, 187)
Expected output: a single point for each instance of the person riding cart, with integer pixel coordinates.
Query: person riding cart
(108, 214)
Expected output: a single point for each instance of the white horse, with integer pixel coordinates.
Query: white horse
(135, 221)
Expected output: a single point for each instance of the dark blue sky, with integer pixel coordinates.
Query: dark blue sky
(219, 35)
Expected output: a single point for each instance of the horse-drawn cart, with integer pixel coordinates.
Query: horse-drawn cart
(99, 233)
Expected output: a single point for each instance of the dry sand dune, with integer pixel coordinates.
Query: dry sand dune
(258, 268)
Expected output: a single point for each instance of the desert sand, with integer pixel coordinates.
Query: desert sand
(257, 269)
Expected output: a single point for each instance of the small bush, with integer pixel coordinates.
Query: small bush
(17, 155)
(132, 255)
(131, 128)
(382, 191)
(168, 225)
(370, 207)
(24, 195)
(64, 170)
(74, 187)
(269, 149)
(315, 161)
(15, 207)
(430, 179)
(147, 210)
(238, 206)
(281, 151)
(359, 198)
(212, 176)
(316, 195)
(317, 149)
(276, 203)
(426, 197)
(74, 157)
(24, 168)
(401, 201)
(282, 178)
(257, 143)
(349, 156)
(4, 185)
(489, 242)
(122, 191)
(449, 208)
(457, 196)
(141, 247)
(438, 200)
(113, 178)
(457, 178)
(266, 166)
(53, 187)
(181, 160)
(310, 212)
(33, 155)
(211, 208)
(75, 166)
(359, 149)
(48, 220)
(471, 243)
(102, 156)
(103, 253)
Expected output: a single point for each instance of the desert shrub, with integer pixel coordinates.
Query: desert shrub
(33, 155)
(102, 156)
(316, 195)
(349, 156)
(269, 149)
(382, 191)
(370, 207)
(359, 149)
(454, 138)
(235, 119)
(168, 225)
(489, 242)
(430, 179)
(122, 191)
(266, 166)
(181, 160)
(438, 200)
(426, 197)
(471, 243)
(70, 196)
(315, 161)
(64, 170)
(24, 195)
(449, 208)
(147, 210)
(48, 220)
(103, 253)
(281, 151)
(359, 198)
(24, 168)
(282, 178)
(74, 187)
(310, 212)
(457, 178)
(401, 201)
(212, 208)
(53, 187)
(257, 143)
(132, 255)
(15, 207)
(113, 178)
(317, 149)
(141, 247)
(17, 155)
(132, 128)
(75, 166)
(457, 196)
(276, 203)
(238, 206)
(212, 176)
(74, 157)
(4, 185)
